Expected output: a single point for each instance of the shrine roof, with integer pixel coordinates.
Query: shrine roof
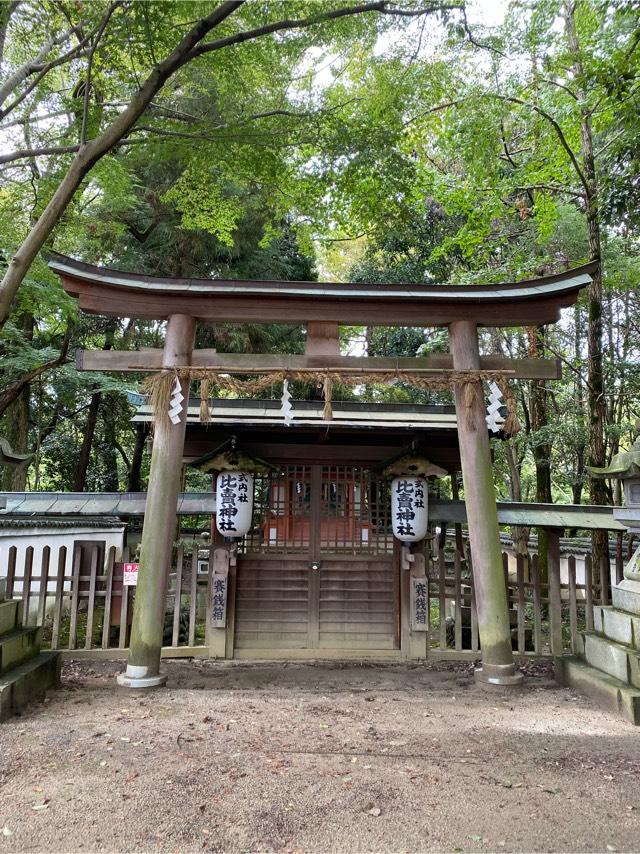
(113, 292)
(44, 509)
(349, 414)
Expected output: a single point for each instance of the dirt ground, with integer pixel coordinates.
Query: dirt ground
(316, 757)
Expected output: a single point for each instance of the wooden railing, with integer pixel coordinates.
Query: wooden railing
(84, 606)
(547, 615)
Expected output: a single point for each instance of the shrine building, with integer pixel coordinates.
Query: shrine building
(318, 572)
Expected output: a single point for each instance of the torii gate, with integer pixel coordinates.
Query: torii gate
(322, 307)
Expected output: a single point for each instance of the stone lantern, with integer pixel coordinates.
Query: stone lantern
(626, 467)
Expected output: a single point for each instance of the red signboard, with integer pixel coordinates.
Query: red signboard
(130, 574)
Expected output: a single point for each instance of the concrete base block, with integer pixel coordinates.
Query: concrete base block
(18, 646)
(28, 682)
(137, 678)
(626, 596)
(8, 616)
(598, 624)
(498, 676)
(618, 626)
(607, 692)
(606, 655)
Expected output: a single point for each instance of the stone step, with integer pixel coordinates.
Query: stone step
(18, 646)
(616, 625)
(616, 659)
(626, 597)
(607, 692)
(28, 682)
(9, 616)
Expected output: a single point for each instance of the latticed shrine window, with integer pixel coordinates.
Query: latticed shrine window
(342, 509)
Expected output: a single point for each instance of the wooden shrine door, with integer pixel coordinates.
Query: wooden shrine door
(318, 571)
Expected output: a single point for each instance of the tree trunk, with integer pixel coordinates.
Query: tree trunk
(6, 11)
(541, 449)
(519, 533)
(16, 431)
(596, 407)
(80, 477)
(111, 481)
(16, 422)
(134, 479)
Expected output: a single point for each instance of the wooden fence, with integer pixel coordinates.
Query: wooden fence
(546, 614)
(83, 604)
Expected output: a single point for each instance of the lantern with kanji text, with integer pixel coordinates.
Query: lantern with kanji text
(234, 503)
(409, 508)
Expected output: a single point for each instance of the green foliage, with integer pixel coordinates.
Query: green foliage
(396, 148)
(203, 206)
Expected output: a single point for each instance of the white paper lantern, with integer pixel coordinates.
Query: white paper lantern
(234, 503)
(409, 508)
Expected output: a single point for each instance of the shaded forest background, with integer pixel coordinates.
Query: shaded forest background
(404, 142)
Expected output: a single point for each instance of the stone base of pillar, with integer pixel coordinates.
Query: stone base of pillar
(136, 678)
(499, 676)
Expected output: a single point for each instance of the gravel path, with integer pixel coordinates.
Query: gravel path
(316, 757)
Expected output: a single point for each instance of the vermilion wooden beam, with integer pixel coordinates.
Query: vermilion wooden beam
(151, 360)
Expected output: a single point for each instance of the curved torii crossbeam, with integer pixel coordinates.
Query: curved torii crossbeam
(116, 293)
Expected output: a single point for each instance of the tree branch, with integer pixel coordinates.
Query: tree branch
(437, 109)
(507, 154)
(87, 83)
(559, 133)
(566, 362)
(611, 141)
(379, 6)
(27, 153)
(415, 13)
(520, 102)
(6, 12)
(123, 454)
(552, 188)
(559, 86)
(32, 66)
(14, 391)
(474, 42)
(66, 57)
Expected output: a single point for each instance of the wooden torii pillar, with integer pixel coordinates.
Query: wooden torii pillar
(158, 532)
(498, 666)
